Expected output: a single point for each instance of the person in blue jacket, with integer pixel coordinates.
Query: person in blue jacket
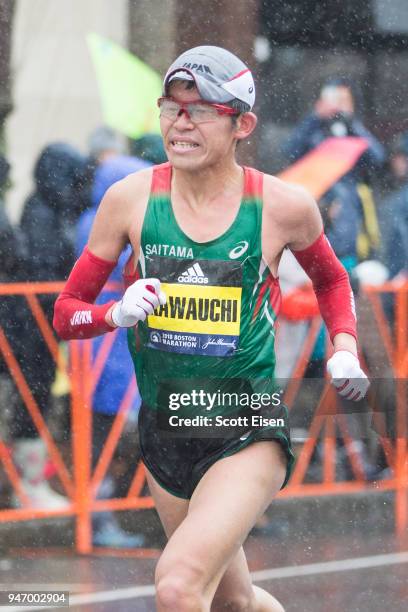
(342, 219)
(396, 207)
(118, 370)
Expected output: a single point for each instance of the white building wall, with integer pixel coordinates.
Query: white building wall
(54, 87)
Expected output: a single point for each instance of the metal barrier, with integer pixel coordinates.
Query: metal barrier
(81, 485)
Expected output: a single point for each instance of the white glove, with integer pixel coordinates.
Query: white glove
(347, 375)
(139, 301)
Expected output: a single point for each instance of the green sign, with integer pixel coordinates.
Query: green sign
(129, 88)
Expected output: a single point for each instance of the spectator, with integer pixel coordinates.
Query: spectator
(13, 263)
(396, 205)
(118, 370)
(348, 208)
(149, 147)
(342, 219)
(47, 222)
(103, 143)
(334, 116)
(50, 213)
(13, 253)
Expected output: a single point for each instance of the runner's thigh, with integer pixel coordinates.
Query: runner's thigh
(232, 494)
(172, 510)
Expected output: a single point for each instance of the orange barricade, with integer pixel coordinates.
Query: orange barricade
(30, 292)
(324, 421)
(81, 485)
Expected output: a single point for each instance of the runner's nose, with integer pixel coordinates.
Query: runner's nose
(184, 117)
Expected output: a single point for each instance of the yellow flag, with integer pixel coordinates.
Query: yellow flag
(129, 88)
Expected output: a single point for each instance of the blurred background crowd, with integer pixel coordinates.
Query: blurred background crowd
(344, 80)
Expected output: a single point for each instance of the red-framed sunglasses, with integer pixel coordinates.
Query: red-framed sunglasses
(198, 111)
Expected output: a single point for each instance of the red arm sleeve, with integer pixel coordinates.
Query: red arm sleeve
(331, 285)
(75, 314)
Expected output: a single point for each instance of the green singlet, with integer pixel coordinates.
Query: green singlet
(222, 303)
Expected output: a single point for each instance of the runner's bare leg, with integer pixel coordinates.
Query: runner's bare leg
(203, 560)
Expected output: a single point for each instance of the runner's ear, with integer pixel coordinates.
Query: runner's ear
(245, 125)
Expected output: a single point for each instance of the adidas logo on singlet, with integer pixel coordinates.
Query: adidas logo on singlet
(194, 274)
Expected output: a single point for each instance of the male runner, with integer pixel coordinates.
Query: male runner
(202, 298)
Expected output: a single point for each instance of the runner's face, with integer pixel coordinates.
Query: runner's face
(191, 146)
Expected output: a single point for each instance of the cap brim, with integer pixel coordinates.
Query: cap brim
(181, 74)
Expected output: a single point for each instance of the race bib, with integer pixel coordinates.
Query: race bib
(202, 315)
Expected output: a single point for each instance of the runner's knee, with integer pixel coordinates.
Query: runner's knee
(173, 594)
(178, 587)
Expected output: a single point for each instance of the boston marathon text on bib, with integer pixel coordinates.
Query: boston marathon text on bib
(222, 300)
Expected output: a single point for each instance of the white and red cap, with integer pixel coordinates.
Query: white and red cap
(220, 76)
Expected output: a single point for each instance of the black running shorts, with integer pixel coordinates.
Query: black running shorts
(178, 464)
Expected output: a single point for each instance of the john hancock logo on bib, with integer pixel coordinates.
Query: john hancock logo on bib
(202, 314)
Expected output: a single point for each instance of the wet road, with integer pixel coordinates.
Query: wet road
(348, 573)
